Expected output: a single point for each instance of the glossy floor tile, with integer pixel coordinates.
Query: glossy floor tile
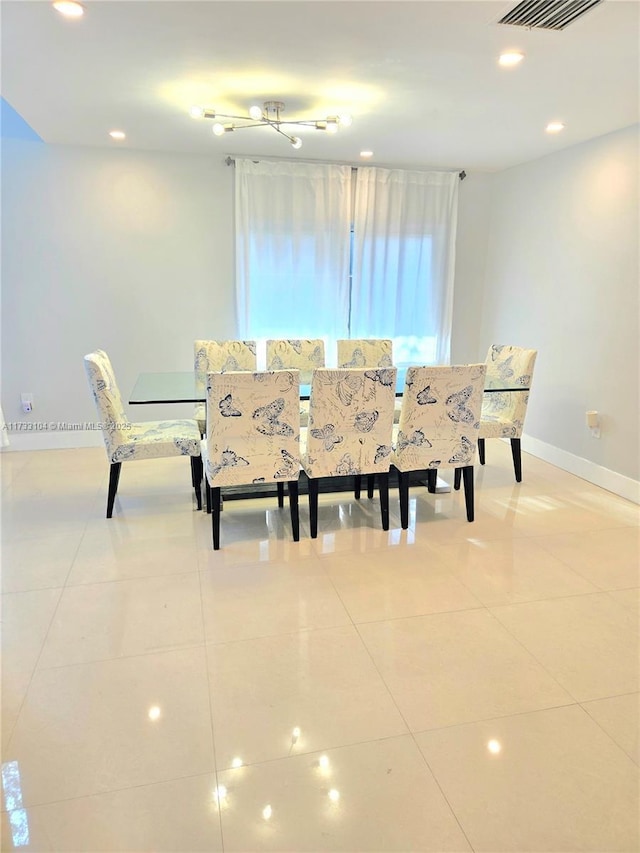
(450, 687)
(546, 781)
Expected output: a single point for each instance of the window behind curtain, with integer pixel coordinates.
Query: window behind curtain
(307, 267)
(403, 261)
(292, 249)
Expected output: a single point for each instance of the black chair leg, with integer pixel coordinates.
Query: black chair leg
(517, 458)
(114, 479)
(371, 482)
(357, 486)
(280, 488)
(481, 450)
(403, 488)
(313, 507)
(467, 473)
(207, 489)
(215, 517)
(457, 476)
(432, 479)
(383, 491)
(293, 509)
(196, 478)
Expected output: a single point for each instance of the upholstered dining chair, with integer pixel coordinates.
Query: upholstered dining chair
(350, 430)
(253, 436)
(304, 355)
(221, 356)
(375, 352)
(503, 413)
(127, 442)
(439, 424)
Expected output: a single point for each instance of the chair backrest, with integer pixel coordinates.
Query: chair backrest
(303, 355)
(375, 352)
(440, 417)
(350, 421)
(512, 367)
(224, 356)
(253, 427)
(106, 395)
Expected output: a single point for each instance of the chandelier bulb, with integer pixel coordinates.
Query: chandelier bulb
(196, 112)
(218, 129)
(345, 120)
(256, 113)
(296, 142)
(332, 124)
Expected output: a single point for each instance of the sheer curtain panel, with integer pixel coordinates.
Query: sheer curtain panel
(292, 249)
(403, 261)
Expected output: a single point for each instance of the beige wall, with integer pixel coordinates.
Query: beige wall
(562, 277)
(133, 252)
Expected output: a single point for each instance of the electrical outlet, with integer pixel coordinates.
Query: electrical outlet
(27, 402)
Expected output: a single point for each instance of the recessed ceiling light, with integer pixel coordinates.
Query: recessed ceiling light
(366, 153)
(69, 8)
(554, 127)
(117, 134)
(511, 57)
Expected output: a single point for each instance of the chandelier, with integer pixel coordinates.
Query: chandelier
(269, 115)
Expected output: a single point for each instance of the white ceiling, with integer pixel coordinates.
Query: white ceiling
(420, 78)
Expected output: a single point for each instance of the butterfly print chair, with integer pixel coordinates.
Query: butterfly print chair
(253, 436)
(221, 356)
(302, 355)
(376, 352)
(503, 414)
(128, 442)
(349, 432)
(439, 423)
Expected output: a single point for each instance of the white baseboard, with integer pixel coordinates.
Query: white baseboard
(63, 440)
(596, 474)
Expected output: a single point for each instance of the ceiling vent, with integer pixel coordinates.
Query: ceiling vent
(547, 14)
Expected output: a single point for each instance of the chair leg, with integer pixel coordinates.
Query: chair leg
(432, 479)
(357, 486)
(114, 479)
(215, 517)
(517, 458)
(481, 450)
(313, 507)
(467, 473)
(280, 488)
(293, 509)
(196, 478)
(403, 488)
(383, 491)
(457, 476)
(371, 481)
(207, 492)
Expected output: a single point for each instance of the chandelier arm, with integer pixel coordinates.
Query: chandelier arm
(276, 127)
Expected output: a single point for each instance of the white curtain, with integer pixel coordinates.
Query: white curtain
(292, 249)
(403, 261)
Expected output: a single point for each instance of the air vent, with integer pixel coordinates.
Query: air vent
(547, 14)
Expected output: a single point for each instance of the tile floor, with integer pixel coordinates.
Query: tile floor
(452, 687)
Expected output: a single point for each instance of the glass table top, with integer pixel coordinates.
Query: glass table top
(188, 387)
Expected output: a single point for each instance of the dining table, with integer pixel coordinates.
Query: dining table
(187, 386)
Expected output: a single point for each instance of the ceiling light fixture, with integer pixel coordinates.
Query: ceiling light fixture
(511, 58)
(117, 134)
(554, 127)
(269, 115)
(69, 8)
(366, 153)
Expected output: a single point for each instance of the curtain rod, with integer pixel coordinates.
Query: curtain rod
(230, 161)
